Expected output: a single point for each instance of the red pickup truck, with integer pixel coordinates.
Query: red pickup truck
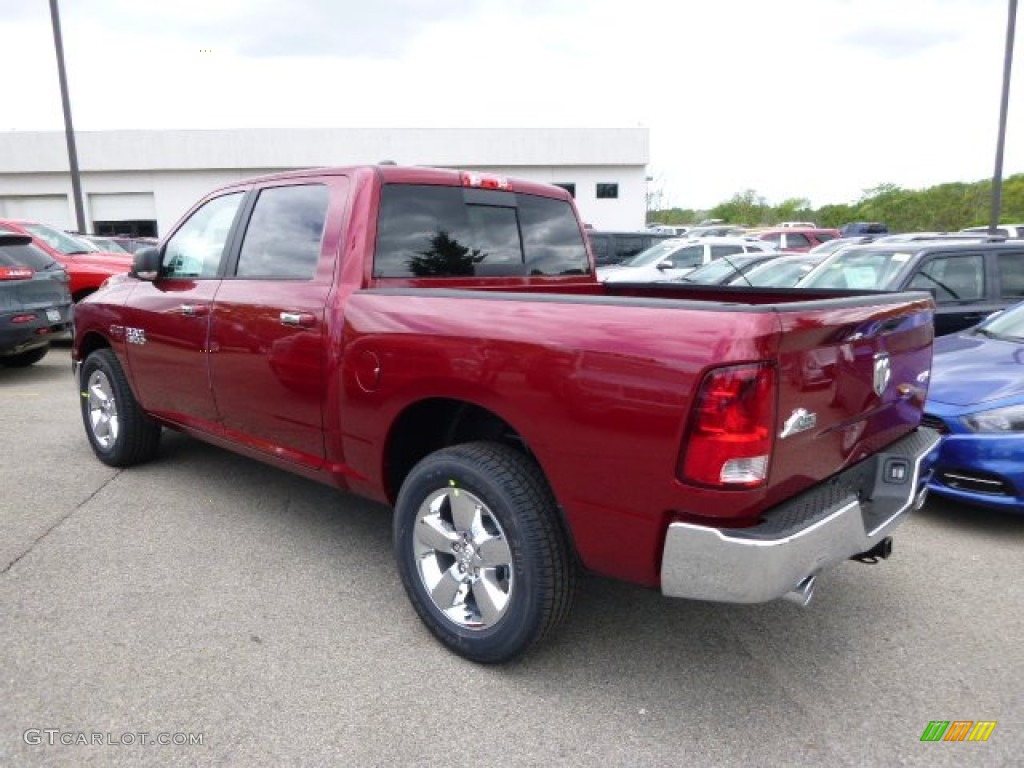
(436, 340)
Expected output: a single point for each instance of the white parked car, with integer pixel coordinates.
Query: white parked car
(1006, 230)
(674, 258)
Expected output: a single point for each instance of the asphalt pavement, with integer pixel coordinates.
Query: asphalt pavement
(249, 617)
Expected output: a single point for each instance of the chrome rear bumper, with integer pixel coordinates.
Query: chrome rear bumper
(844, 516)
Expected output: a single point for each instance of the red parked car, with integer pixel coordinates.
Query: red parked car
(794, 238)
(86, 267)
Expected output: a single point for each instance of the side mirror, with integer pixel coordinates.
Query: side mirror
(146, 265)
(663, 265)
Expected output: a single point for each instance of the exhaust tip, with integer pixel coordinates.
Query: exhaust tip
(881, 551)
(802, 592)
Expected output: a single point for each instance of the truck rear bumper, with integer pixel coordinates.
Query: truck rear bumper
(846, 515)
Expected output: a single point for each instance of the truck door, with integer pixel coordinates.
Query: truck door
(168, 320)
(268, 334)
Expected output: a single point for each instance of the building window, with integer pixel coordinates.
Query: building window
(132, 228)
(568, 186)
(607, 191)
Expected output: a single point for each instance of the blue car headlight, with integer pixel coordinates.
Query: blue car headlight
(1010, 419)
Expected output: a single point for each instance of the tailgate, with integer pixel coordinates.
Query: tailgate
(853, 376)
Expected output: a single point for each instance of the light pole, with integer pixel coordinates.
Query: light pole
(69, 131)
(997, 178)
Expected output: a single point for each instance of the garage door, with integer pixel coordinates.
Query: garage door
(124, 206)
(49, 209)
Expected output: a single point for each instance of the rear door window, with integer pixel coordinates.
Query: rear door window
(432, 231)
(1011, 275)
(718, 251)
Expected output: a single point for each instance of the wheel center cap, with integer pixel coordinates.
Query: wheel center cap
(466, 556)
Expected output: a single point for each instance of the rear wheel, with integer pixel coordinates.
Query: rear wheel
(25, 359)
(481, 552)
(118, 430)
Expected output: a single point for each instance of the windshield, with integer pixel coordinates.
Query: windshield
(105, 244)
(59, 241)
(1007, 325)
(722, 268)
(653, 255)
(858, 269)
(779, 273)
(840, 242)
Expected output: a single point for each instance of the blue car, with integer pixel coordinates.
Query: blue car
(976, 399)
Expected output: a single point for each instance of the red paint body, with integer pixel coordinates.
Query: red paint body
(597, 381)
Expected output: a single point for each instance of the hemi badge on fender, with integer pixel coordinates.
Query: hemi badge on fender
(799, 421)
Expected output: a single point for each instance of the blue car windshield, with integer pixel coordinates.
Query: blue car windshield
(1007, 325)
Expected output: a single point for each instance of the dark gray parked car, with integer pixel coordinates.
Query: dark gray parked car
(35, 302)
(969, 280)
(616, 247)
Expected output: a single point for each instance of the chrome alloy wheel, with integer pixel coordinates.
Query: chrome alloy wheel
(463, 558)
(102, 410)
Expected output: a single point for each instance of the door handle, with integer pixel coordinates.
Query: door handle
(298, 319)
(194, 310)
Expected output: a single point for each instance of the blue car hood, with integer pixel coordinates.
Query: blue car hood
(969, 368)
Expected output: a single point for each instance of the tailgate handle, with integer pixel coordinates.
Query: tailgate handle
(298, 319)
(193, 310)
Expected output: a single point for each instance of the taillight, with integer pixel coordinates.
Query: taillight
(484, 181)
(732, 427)
(15, 273)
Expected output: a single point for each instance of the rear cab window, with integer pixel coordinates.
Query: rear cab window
(452, 232)
(24, 256)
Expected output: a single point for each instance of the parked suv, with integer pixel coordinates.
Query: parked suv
(34, 301)
(617, 247)
(969, 280)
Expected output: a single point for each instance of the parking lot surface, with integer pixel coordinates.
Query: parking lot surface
(207, 597)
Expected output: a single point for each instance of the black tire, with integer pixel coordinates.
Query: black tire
(518, 523)
(119, 432)
(25, 359)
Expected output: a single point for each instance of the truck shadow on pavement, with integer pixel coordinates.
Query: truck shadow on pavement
(339, 545)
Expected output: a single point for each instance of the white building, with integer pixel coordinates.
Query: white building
(141, 182)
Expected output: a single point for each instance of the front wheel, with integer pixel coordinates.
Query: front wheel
(120, 433)
(481, 551)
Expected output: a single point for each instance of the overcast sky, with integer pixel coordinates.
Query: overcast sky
(793, 98)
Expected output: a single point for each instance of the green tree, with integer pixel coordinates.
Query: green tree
(747, 207)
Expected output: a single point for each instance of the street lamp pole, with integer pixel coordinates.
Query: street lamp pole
(69, 131)
(997, 179)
